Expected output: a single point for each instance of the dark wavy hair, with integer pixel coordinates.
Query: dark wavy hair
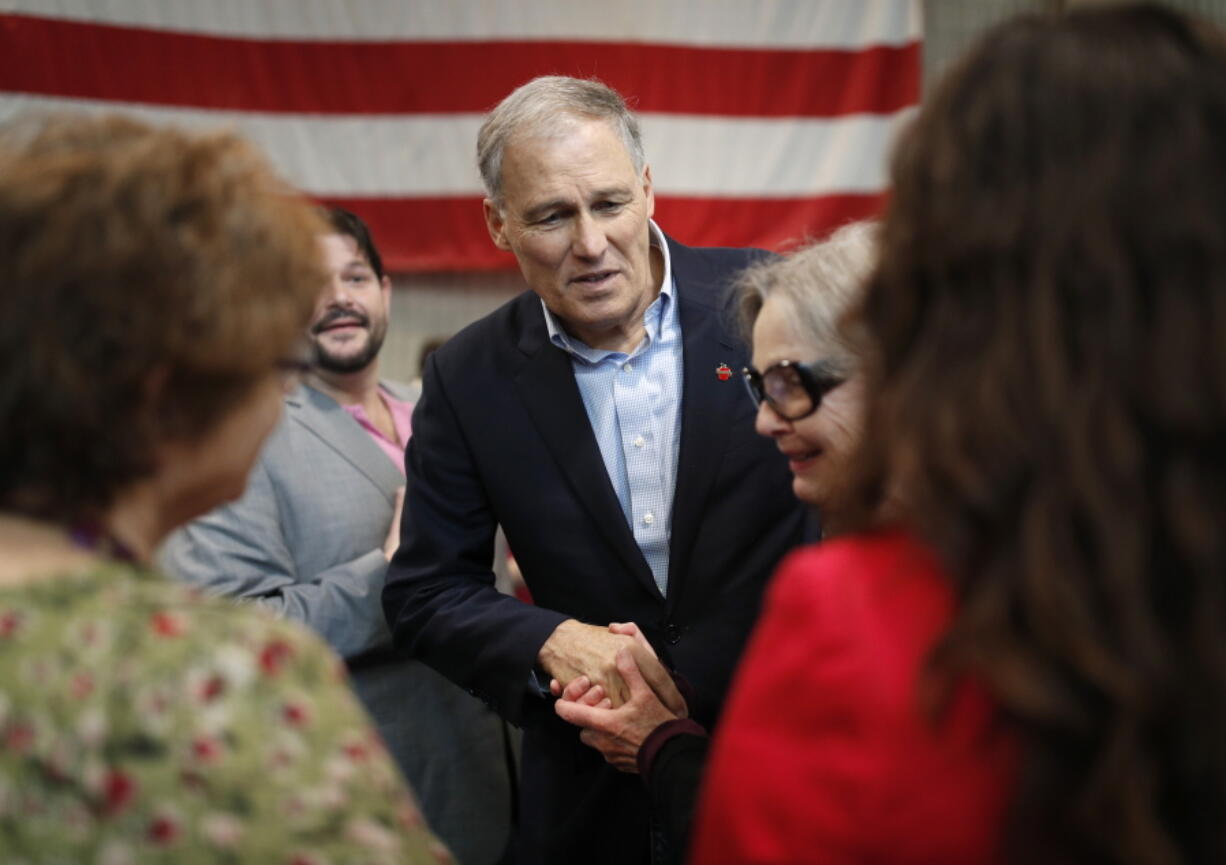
(1047, 364)
(149, 277)
(351, 225)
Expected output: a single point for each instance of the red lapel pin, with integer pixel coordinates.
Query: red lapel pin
(723, 372)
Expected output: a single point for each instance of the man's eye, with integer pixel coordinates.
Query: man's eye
(549, 219)
(608, 206)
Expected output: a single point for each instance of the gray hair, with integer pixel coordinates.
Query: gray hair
(541, 107)
(819, 282)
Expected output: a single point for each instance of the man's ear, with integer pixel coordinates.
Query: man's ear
(649, 192)
(496, 224)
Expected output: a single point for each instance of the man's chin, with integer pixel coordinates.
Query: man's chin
(347, 357)
(343, 363)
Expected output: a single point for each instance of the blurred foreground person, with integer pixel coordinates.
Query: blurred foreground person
(1021, 657)
(154, 286)
(809, 391)
(311, 537)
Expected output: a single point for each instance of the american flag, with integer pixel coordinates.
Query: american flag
(765, 123)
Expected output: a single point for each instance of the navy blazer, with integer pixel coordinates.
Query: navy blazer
(501, 436)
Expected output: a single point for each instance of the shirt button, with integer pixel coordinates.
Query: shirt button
(638, 442)
(627, 367)
(648, 518)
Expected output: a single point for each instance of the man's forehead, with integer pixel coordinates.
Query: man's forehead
(537, 165)
(332, 243)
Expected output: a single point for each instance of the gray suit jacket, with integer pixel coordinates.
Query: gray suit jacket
(306, 540)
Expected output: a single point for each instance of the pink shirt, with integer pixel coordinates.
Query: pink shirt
(402, 419)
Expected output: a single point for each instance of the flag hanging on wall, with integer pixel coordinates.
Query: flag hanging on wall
(765, 123)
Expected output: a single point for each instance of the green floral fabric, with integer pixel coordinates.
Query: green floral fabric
(143, 723)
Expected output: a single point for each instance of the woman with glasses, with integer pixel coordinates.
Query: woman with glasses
(809, 391)
(1023, 661)
(154, 285)
(805, 378)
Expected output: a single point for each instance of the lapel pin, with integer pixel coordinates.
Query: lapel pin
(723, 372)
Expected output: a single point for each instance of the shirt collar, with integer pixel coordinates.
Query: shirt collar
(652, 318)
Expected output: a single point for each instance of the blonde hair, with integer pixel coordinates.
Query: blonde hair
(820, 283)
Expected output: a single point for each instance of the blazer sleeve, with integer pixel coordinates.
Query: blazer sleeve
(790, 764)
(240, 551)
(439, 597)
(672, 775)
(826, 753)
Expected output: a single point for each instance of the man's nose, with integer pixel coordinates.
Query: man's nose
(337, 292)
(589, 240)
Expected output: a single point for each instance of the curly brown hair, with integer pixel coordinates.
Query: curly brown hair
(1047, 359)
(149, 277)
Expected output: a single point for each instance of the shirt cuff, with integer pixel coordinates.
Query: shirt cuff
(683, 687)
(661, 736)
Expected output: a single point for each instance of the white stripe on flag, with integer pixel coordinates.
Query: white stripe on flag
(432, 155)
(775, 24)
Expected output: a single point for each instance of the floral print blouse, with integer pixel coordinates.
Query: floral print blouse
(141, 722)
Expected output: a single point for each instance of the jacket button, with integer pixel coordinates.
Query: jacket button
(672, 633)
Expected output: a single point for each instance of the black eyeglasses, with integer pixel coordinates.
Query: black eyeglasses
(794, 390)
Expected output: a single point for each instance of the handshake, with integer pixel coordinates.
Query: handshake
(610, 683)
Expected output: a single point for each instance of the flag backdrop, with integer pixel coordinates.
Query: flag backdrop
(764, 122)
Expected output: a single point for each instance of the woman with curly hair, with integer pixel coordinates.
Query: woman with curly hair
(1020, 656)
(154, 285)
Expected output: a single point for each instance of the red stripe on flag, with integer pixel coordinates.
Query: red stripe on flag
(106, 62)
(443, 234)
(778, 224)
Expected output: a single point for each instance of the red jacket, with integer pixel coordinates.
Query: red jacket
(824, 753)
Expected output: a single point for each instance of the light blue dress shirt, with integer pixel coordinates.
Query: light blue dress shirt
(634, 405)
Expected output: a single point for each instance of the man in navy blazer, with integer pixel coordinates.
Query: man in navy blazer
(599, 418)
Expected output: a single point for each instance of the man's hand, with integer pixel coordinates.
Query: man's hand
(617, 733)
(393, 531)
(575, 649)
(630, 629)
